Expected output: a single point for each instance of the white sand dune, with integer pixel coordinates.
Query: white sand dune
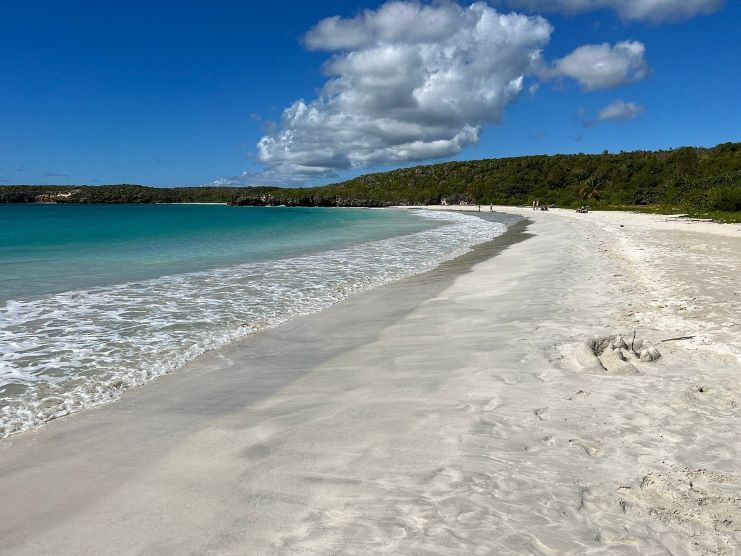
(459, 412)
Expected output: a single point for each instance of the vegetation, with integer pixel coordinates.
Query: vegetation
(693, 180)
(124, 193)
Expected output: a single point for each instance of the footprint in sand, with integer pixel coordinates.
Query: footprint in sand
(256, 452)
(543, 413)
(709, 500)
(490, 428)
(492, 405)
(480, 406)
(591, 449)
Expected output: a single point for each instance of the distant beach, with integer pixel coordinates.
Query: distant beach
(507, 401)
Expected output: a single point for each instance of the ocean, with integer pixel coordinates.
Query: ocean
(96, 299)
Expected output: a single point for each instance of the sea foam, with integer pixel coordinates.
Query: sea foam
(78, 349)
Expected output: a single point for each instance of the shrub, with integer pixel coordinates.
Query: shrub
(724, 197)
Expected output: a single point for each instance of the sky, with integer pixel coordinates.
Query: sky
(305, 93)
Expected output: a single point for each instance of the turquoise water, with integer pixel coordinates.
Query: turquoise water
(95, 299)
(55, 248)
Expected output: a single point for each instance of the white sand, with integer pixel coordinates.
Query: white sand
(647, 222)
(470, 421)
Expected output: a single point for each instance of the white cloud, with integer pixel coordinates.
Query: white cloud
(619, 111)
(602, 66)
(654, 11)
(271, 176)
(225, 182)
(407, 82)
(399, 22)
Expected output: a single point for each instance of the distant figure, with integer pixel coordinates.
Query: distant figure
(535, 204)
(491, 208)
(479, 208)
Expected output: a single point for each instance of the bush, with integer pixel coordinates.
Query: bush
(726, 198)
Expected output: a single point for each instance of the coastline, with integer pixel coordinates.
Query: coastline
(644, 221)
(454, 411)
(204, 309)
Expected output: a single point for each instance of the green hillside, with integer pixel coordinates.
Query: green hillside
(124, 193)
(690, 178)
(697, 180)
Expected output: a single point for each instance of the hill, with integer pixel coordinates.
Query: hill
(687, 178)
(124, 193)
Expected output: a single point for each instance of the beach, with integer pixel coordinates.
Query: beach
(459, 411)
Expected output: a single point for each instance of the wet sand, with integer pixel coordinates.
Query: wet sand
(456, 412)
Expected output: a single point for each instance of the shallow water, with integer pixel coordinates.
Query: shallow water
(96, 299)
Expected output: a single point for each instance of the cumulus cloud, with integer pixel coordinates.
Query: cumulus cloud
(619, 111)
(602, 66)
(654, 11)
(406, 82)
(278, 176)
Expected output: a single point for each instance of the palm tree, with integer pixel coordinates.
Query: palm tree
(589, 190)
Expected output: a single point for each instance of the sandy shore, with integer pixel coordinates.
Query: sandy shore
(457, 412)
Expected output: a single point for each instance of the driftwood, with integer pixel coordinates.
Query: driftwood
(678, 338)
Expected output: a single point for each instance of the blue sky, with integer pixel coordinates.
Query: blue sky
(180, 93)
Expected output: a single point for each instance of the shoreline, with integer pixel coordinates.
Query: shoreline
(454, 411)
(29, 414)
(677, 222)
